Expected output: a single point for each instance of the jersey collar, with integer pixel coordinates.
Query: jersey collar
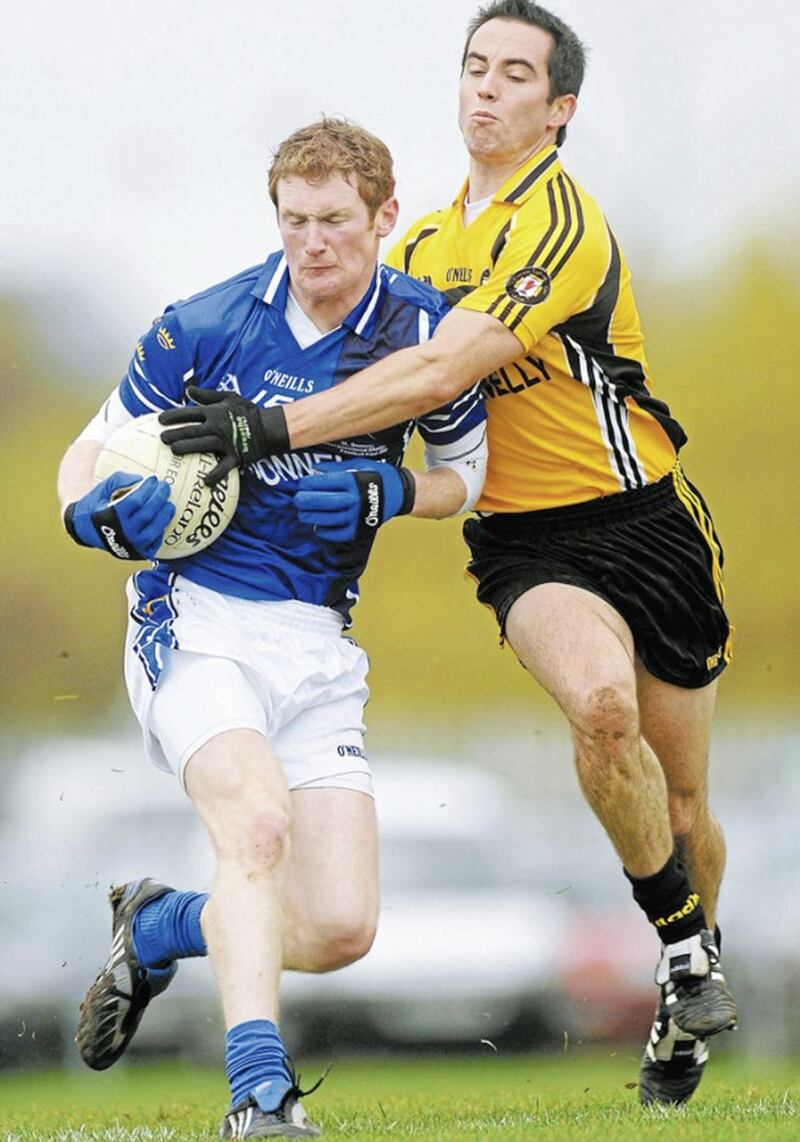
(525, 181)
(273, 284)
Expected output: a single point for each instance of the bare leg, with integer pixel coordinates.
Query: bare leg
(330, 896)
(239, 790)
(677, 724)
(581, 651)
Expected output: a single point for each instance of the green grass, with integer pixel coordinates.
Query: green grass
(574, 1095)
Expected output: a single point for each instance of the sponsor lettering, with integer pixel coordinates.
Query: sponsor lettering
(281, 380)
(110, 536)
(173, 469)
(351, 751)
(373, 516)
(241, 435)
(687, 910)
(514, 378)
(213, 515)
(459, 274)
(290, 466)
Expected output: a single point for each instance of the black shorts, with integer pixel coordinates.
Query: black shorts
(652, 554)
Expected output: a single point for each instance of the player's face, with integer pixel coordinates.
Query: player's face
(330, 240)
(503, 110)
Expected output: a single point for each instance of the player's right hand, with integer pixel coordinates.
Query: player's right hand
(131, 527)
(236, 429)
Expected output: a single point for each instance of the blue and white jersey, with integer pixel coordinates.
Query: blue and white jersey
(235, 337)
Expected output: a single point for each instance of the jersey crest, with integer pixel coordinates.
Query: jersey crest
(529, 286)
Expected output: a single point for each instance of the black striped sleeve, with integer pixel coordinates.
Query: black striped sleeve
(408, 254)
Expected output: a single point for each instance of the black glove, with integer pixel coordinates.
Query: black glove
(236, 429)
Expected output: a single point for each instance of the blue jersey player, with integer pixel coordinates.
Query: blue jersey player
(235, 664)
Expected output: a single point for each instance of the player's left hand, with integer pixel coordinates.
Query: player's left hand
(348, 500)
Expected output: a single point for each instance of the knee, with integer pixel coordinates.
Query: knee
(341, 940)
(606, 718)
(257, 837)
(687, 806)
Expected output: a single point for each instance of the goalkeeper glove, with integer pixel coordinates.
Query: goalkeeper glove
(350, 499)
(131, 526)
(237, 430)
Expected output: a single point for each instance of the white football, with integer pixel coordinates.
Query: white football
(201, 513)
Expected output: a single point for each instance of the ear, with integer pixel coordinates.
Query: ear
(386, 217)
(563, 108)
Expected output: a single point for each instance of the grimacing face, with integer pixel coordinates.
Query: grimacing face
(503, 110)
(330, 241)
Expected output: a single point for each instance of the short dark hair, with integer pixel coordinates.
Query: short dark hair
(567, 62)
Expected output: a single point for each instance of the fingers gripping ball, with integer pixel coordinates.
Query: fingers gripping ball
(201, 513)
(236, 429)
(123, 514)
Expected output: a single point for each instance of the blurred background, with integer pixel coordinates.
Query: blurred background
(136, 139)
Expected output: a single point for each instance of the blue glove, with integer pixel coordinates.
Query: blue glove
(349, 499)
(131, 527)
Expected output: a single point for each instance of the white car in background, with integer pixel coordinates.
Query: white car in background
(467, 949)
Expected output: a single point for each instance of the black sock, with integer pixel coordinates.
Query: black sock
(666, 898)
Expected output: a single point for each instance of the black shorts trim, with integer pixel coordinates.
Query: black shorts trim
(651, 553)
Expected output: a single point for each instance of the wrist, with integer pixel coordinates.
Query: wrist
(274, 432)
(409, 491)
(69, 525)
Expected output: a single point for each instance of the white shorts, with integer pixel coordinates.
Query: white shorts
(280, 668)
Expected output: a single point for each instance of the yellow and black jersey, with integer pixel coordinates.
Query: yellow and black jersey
(573, 418)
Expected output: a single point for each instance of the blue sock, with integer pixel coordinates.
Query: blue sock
(169, 928)
(255, 1057)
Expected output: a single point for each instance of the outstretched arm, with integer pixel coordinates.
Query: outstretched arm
(466, 347)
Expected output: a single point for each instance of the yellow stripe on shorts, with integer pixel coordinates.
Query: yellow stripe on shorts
(694, 505)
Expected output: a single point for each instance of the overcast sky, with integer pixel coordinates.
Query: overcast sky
(136, 136)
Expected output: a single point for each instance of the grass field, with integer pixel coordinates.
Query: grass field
(565, 1096)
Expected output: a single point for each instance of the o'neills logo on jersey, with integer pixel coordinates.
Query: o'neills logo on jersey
(529, 286)
(164, 338)
(351, 751)
(289, 381)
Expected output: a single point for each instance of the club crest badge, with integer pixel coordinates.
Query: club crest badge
(165, 338)
(529, 286)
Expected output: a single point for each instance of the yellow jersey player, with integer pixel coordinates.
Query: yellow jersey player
(598, 556)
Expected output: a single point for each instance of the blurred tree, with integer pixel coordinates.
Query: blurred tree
(63, 608)
(721, 351)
